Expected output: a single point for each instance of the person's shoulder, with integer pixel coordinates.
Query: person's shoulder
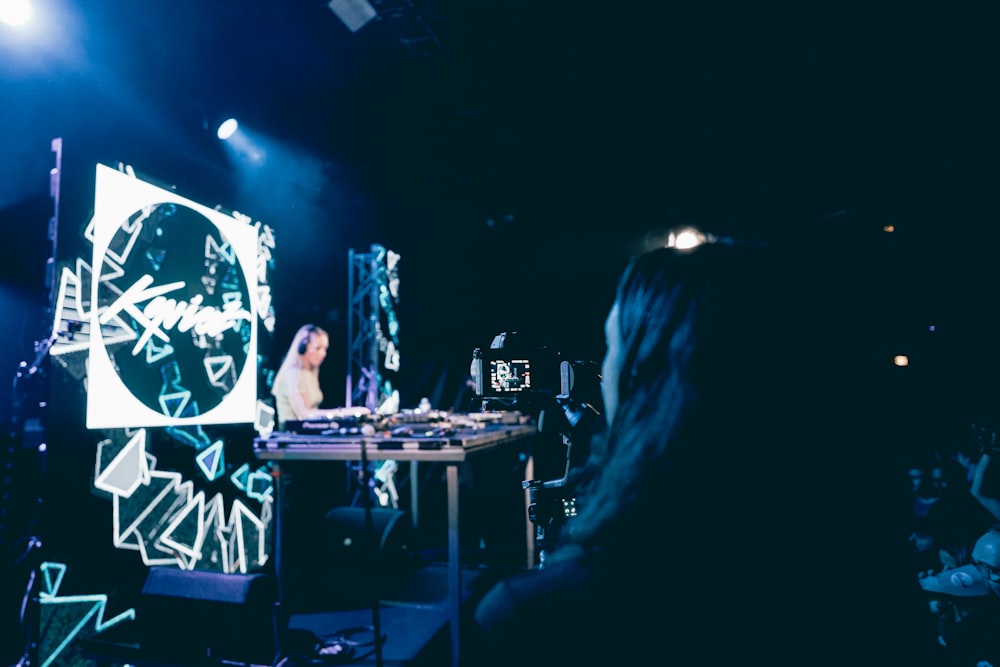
(569, 612)
(515, 595)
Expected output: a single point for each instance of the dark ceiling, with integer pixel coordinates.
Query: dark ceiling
(546, 110)
(513, 150)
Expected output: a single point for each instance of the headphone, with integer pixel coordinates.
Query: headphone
(304, 343)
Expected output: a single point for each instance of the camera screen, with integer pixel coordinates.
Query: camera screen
(510, 375)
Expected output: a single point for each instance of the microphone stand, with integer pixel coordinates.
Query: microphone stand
(30, 604)
(373, 546)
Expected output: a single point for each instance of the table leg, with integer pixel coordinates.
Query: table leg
(277, 548)
(277, 475)
(454, 562)
(529, 474)
(414, 495)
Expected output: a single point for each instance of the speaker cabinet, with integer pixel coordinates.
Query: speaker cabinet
(358, 562)
(352, 546)
(196, 615)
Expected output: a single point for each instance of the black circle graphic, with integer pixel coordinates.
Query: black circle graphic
(189, 277)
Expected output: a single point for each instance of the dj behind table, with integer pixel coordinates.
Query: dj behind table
(408, 454)
(436, 480)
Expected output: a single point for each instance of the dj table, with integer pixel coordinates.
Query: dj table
(421, 443)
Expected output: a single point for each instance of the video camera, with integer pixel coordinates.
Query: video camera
(564, 396)
(511, 372)
(514, 375)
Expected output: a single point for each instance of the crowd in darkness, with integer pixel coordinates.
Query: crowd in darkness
(955, 545)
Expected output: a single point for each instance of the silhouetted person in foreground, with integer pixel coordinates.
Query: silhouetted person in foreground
(725, 515)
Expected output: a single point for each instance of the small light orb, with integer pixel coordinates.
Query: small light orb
(228, 129)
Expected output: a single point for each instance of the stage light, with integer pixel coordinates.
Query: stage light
(227, 129)
(15, 13)
(686, 238)
(244, 147)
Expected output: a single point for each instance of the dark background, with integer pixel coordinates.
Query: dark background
(515, 152)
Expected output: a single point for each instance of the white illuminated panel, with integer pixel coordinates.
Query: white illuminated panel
(181, 279)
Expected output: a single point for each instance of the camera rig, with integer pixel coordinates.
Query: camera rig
(565, 399)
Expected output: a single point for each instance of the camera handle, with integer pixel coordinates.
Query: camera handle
(549, 506)
(547, 514)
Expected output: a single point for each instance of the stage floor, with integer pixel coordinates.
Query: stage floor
(412, 617)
